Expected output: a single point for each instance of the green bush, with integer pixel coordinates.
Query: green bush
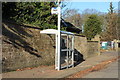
(35, 13)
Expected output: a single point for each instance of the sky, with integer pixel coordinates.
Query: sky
(100, 6)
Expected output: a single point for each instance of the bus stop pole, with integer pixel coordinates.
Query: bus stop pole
(59, 36)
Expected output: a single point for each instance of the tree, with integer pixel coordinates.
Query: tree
(36, 13)
(87, 12)
(111, 31)
(8, 10)
(118, 27)
(72, 16)
(111, 9)
(92, 26)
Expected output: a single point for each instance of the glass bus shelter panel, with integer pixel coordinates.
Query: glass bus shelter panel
(66, 60)
(63, 51)
(70, 41)
(66, 51)
(64, 42)
(67, 42)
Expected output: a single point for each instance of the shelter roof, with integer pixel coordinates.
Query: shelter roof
(54, 31)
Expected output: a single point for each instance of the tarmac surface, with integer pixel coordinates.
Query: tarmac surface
(50, 72)
(111, 71)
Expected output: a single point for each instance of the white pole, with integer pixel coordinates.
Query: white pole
(73, 50)
(67, 51)
(59, 36)
(56, 53)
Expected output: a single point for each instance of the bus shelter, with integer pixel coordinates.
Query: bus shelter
(65, 58)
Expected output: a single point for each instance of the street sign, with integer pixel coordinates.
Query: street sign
(54, 10)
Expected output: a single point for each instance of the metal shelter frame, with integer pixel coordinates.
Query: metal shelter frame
(69, 50)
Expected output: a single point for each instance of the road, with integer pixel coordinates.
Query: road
(110, 71)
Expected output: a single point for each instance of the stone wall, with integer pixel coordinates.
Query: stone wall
(81, 45)
(87, 48)
(24, 46)
(93, 48)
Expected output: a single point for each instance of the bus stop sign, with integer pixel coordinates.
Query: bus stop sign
(54, 10)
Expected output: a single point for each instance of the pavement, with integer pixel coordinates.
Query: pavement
(50, 72)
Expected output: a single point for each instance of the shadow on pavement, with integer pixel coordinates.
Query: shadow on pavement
(79, 58)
